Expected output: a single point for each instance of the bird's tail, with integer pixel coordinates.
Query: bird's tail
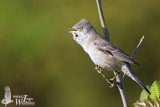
(126, 68)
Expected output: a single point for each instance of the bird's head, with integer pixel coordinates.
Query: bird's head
(82, 30)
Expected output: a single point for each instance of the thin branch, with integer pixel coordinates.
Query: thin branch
(134, 52)
(106, 35)
(121, 89)
(103, 24)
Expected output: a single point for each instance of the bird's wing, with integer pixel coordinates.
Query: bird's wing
(109, 48)
(7, 94)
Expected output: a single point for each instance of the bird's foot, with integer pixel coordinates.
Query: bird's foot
(114, 81)
(111, 81)
(114, 78)
(98, 68)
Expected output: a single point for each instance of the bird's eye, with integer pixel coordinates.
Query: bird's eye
(80, 28)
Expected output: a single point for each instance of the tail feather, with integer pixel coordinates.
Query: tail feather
(129, 72)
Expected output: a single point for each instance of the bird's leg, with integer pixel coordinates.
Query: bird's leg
(113, 80)
(99, 69)
(110, 81)
(116, 73)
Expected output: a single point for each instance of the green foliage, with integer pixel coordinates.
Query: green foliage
(152, 100)
(144, 95)
(155, 90)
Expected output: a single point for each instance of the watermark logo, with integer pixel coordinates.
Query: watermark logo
(18, 99)
(23, 100)
(7, 96)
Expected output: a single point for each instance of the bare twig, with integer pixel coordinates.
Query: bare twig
(121, 90)
(103, 24)
(134, 52)
(106, 35)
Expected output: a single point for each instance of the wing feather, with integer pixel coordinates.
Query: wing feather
(109, 48)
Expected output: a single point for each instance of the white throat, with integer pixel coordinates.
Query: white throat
(81, 39)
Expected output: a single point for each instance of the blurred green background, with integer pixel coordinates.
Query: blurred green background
(39, 58)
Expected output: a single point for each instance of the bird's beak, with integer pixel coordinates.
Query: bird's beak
(70, 28)
(70, 31)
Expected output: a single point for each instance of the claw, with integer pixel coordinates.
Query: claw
(99, 69)
(111, 85)
(111, 81)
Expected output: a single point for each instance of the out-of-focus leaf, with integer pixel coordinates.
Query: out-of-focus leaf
(155, 90)
(149, 102)
(157, 102)
(139, 104)
(144, 95)
(152, 100)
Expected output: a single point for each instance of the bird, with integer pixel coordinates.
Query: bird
(7, 96)
(103, 53)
